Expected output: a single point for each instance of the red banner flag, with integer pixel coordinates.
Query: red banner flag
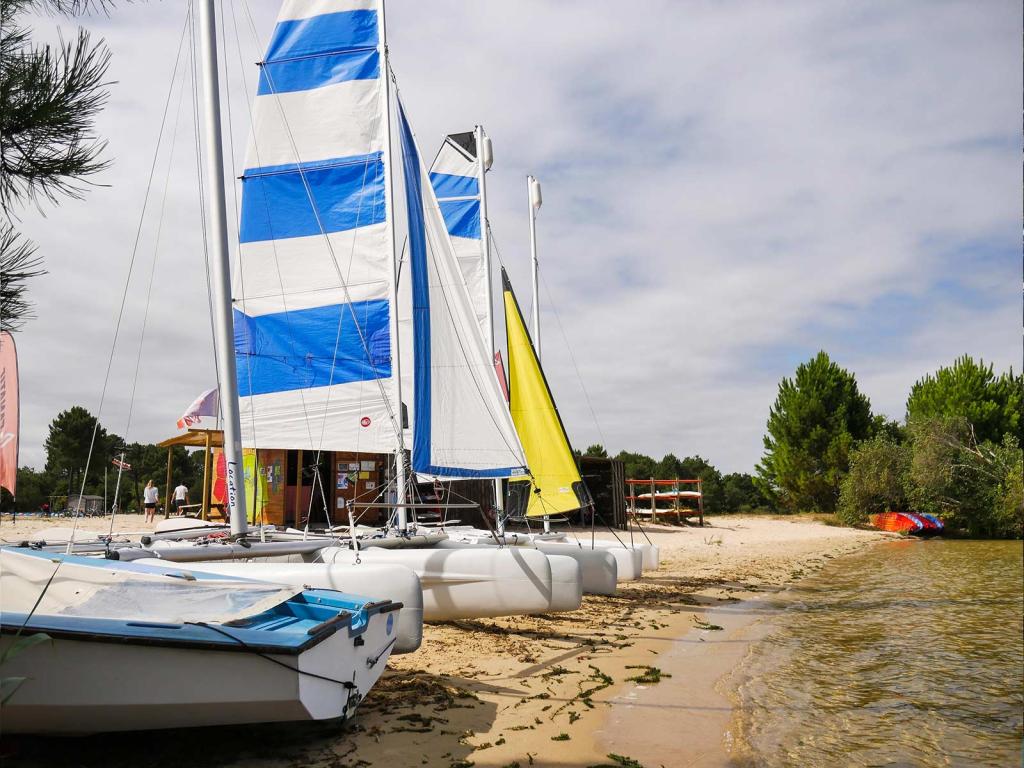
(8, 413)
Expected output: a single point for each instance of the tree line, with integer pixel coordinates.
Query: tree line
(733, 492)
(67, 455)
(957, 452)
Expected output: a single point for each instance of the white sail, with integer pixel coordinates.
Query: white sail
(461, 426)
(455, 177)
(312, 292)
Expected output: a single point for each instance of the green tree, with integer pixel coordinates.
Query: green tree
(694, 467)
(49, 99)
(669, 468)
(878, 480)
(990, 404)
(596, 450)
(67, 450)
(33, 489)
(817, 418)
(740, 494)
(637, 465)
(975, 487)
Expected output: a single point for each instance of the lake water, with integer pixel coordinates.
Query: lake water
(909, 654)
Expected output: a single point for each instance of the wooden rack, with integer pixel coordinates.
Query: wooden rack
(675, 495)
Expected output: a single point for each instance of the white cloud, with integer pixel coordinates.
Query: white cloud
(728, 187)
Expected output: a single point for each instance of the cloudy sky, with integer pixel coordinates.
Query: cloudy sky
(728, 188)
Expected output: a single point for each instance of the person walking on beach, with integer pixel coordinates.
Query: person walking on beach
(180, 498)
(150, 498)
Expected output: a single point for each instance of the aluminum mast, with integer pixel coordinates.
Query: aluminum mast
(223, 327)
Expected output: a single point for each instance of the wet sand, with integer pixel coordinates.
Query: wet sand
(631, 676)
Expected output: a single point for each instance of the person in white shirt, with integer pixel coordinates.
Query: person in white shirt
(150, 498)
(180, 498)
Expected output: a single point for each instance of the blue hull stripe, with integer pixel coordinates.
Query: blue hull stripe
(462, 218)
(324, 33)
(316, 72)
(349, 193)
(296, 350)
(449, 185)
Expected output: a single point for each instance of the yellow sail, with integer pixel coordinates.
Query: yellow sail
(548, 453)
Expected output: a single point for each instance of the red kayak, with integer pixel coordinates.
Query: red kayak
(907, 522)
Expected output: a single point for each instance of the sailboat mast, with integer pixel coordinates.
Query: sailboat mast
(483, 162)
(533, 191)
(401, 494)
(223, 326)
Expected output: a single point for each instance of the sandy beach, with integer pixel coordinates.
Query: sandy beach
(636, 676)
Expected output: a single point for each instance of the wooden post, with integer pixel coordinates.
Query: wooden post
(700, 501)
(298, 487)
(654, 504)
(167, 487)
(675, 502)
(204, 510)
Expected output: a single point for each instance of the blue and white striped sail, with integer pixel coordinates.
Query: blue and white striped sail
(313, 313)
(461, 425)
(314, 316)
(455, 177)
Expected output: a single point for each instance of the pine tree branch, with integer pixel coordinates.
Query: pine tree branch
(18, 263)
(49, 100)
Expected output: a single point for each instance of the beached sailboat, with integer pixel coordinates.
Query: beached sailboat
(130, 647)
(458, 175)
(336, 205)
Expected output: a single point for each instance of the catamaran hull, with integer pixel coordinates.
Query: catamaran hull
(598, 568)
(566, 584)
(650, 554)
(472, 583)
(378, 581)
(78, 686)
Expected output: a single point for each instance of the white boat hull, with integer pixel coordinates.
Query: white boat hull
(79, 687)
(477, 582)
(599, 569)
(650, 554)
(566, 584)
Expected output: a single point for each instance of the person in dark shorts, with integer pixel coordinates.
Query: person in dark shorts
(180, 499)
(150, 498)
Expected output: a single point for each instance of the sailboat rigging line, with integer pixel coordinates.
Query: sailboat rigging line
(250, 649)
(273, 242)
(396, 423)
(572, 357)
(152, 269)
(127, 283)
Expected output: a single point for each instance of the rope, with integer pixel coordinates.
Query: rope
(127, 283)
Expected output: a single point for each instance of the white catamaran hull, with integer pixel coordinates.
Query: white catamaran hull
(566, 584)
(650, 554)
(467, 583)
(78, 687)
(378, 581)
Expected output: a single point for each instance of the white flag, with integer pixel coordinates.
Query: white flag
(207, 404)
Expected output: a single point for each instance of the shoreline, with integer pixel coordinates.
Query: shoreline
(551, 690)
